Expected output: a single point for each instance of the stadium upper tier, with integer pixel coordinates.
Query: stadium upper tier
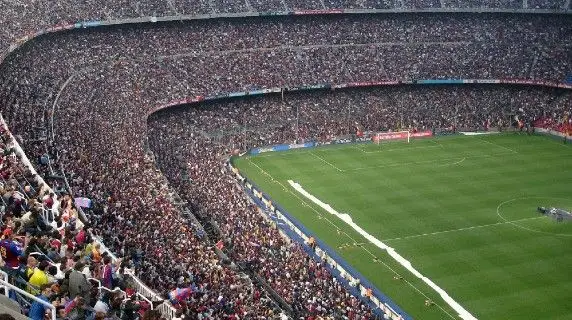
(83, 98)
(20, 19)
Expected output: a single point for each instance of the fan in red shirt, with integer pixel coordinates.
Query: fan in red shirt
(49, 201)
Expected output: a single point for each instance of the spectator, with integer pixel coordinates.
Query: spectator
(100, 311)
(107, 277)
(11, 250)
(39, 278)
(79, 286)
(30, 267)
(37, 309)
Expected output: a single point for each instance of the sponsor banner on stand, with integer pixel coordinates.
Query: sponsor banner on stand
(341, 141)
(261, 150)
(366, 84)
(478, 133)
(273, 13)
(391, 136)
(237, 94)
(439, 81)
(282, 147)
(401, 135)
(255, 92)
(88, 24)
(308, 12)
(302, 145)
(481, 81)
(536, 83)
(271, 90)
(310, 87)
(363, 139)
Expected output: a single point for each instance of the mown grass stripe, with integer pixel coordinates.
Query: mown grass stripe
(501, 272)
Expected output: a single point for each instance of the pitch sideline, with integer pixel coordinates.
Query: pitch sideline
(320, 216)
(463, 313)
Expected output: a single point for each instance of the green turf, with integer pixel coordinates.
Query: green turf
(415, 197)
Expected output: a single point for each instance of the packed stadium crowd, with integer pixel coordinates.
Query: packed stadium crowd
(290, 52)
(78, 103)
(323, 115)
(20, 18)
(48, 252)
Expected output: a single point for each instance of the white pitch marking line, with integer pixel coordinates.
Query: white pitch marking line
(320, 216)
(354, 146)
(428, 161)
(498, 145)
(454, 163)
(326, 162)
(461, 229)
(437, 143)
(462, 312)
(512, 222)
(402, 149)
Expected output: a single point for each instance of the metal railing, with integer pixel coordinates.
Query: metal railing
(4, 277)
(166, 308)
(8, 286)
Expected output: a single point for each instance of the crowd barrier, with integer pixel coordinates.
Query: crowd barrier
(166, 309)
(47, 305)
(22, 155)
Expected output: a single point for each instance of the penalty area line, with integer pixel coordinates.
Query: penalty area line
(399, 164)
(326, 162)
(383, 149)
(452, 164)
(497, 145)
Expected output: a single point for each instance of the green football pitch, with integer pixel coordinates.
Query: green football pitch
(461, 209)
